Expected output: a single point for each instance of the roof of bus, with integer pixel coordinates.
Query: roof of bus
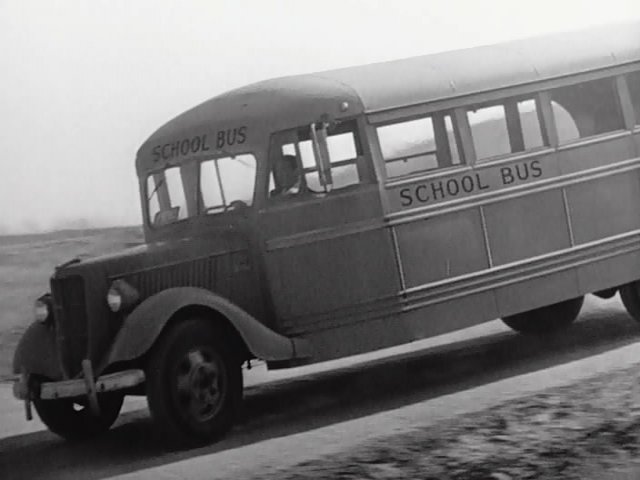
(382, 86)
(426, 78)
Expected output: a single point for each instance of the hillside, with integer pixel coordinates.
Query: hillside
(27, 262)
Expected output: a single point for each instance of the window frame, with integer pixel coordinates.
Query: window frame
(457, 135)
(514, 100)
(615, 79)
(297, 135)
(184, 166)
(202, 210)
(630, 107)
(539, 91)
(163, 190)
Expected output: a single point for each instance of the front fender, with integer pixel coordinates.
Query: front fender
(144, 325)
(37, 353)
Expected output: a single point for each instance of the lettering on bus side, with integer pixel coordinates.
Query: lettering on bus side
(437, 190)
(200, 143)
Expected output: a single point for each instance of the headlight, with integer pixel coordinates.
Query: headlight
(42, 308)
(121, 296)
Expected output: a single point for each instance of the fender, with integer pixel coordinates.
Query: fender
(144, 325)
(37, 353)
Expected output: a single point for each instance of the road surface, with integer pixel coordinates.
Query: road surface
(293, 414)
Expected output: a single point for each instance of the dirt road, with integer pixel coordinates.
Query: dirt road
(294, 415)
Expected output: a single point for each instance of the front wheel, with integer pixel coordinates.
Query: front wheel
(72, 418)
(194, 383)
(549, 319)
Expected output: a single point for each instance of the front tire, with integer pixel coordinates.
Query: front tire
(72, 419)
(545, 320)
(194, 383)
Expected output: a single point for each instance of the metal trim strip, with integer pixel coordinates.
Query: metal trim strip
(584, 250)
(470, 284)
(324, 234)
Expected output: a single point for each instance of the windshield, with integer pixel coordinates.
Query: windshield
(207, 187)
(227, 183)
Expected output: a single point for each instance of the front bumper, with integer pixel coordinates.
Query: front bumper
(78, 387)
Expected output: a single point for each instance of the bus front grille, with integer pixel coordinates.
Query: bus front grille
(70, 313)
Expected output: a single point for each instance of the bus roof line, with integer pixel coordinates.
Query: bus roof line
(414, 81)
(456, 73)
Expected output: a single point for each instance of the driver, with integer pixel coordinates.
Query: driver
(286, 176)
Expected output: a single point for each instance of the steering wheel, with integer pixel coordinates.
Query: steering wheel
(236, 205)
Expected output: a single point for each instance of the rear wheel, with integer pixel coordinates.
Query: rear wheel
(194, 383)
(72, 418)
(549, 319)
(630, 295)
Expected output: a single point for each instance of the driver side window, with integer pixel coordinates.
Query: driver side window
(296, 166)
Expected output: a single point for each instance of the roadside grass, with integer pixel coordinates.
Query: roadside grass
(587, 430)
(27, 262)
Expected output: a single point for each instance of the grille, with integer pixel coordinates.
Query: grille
(204, 273)
(70, 312)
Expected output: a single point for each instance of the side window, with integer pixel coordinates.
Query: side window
(417, 146)
(489, 131)
(296, 166)
(565, 125)
(511, 126)
(530, 123)
(227, 183)
(593, 106)
(633, 82)
(342, 156)
(304, 150)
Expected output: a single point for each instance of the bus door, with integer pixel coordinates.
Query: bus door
(329, 260)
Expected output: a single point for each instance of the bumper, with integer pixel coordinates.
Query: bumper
(78, 387)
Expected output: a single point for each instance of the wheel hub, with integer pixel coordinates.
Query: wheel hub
(199, 385)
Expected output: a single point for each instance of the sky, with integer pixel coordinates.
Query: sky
(84, 83)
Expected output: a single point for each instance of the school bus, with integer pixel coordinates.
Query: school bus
(307, 218)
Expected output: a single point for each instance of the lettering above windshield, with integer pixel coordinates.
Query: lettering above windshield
(200, 144)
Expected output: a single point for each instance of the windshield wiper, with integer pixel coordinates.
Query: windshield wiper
(158, 185)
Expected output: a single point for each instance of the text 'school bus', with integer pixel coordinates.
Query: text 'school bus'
(312, 217)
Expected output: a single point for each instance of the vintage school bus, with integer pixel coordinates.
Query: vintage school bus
(312, 217)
